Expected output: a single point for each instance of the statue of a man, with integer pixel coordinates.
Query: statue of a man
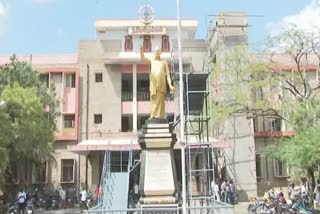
(159, 77)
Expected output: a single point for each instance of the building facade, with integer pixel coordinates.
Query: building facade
(62, 73)
(104, 101)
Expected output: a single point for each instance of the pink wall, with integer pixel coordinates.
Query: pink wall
(69, 100)
(144, 106)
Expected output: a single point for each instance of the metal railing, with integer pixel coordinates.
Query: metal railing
(217, 208)
(141, 96)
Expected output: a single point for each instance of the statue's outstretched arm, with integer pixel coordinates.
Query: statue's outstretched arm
(144, 59)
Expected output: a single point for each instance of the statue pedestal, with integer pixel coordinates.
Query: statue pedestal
(157, 172)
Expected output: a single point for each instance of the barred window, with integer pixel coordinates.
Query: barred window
(165, 45)
(67, 170)
(70, 80)
(281, 168)
(128, 46)
(68, 121)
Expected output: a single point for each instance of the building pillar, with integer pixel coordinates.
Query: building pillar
(83, 170)
(134, 98)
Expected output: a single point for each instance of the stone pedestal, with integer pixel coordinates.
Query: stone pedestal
(157, 173)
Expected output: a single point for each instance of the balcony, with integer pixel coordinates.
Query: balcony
(126, 95)
(69, 131)
(141, 96)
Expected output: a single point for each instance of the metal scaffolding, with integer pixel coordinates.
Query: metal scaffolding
(198, 144)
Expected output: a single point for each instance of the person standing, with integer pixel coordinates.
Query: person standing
(228, 192)
(303, 188)
(21, 199)
(290, 190)
(232, 192)
(83, 198)
(223, 191)
(62, 194)
(215, 190)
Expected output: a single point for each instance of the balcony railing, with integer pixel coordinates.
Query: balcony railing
(141, 96)
(126, 95)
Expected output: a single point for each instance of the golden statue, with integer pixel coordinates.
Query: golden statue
(159, 77)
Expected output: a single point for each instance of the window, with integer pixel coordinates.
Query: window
(258, 166)
(70, 80)
(12, 174)
(126, 87)
(276, 124)
(39, 173)
(99, 77)
(143, 93)
(127, 123)
(128, 43)
(67, 170)
(98, 118)
(45, 79)
(68, 121)
(165, 45)
(119, 161)
(280, 168)
(147, 43)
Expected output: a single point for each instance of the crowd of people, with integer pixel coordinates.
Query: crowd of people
(223, 191)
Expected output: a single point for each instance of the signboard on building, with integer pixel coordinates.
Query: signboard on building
(147, 30)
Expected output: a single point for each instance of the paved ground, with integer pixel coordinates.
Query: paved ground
(241, 208)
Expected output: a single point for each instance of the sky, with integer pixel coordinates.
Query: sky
(56, 26)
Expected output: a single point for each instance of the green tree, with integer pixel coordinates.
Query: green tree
(276, 84)
(26, 129)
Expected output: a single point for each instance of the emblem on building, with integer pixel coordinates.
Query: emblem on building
(146, 13)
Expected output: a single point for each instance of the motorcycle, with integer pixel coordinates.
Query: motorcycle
(89, 202)
(54, 200)
(41, 202)
(29, 207)
(12, 208)
(83, 205)
(71, 198)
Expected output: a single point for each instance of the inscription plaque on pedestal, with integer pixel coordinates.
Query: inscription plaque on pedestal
(157, 172)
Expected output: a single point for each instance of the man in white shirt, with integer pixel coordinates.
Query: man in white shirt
(62, 194)
(83, 198)
(21, 198)
(215, 190)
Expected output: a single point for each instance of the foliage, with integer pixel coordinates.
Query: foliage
(276, 84)
(240, 78)
(303, 149)
(26, 129)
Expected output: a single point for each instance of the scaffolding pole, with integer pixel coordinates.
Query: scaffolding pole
(183, 161)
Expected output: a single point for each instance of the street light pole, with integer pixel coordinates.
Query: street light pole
(182, 139)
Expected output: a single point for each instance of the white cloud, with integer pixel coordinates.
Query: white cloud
(2, 9)
(307, 19)
(3, 18)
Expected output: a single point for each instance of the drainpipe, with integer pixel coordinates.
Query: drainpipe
(79, 138)
(87, 119)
